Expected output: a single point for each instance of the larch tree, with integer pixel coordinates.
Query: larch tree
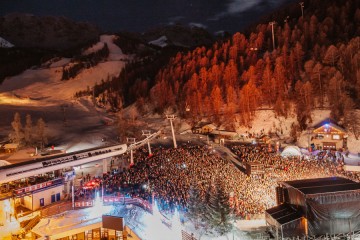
(299, 54)
(268, 85)
(316, 82)
(231, 74)
(352, 122)
(304, 103)
(216, 100)
(233, 53)
(231, 99)
(215, 75)
(203, 81)
(332, 55)
(280, 76)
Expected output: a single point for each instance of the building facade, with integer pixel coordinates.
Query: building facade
(328, 136)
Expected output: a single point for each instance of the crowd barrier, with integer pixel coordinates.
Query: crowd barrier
(81, 204)
(128, 200)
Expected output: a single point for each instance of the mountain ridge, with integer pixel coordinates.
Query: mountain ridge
(55, 33)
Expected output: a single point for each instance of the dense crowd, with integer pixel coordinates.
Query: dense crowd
(168, 174)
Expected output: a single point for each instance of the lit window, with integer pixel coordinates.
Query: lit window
(336, 137)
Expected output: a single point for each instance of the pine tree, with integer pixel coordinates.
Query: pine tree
(219, 214)
(195, 206)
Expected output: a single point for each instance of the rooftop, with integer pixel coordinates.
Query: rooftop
(284, 213)
(323, 185)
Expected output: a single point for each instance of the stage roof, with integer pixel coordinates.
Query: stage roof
(323, 185)
(284, 213)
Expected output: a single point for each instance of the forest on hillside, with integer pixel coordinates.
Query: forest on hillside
(315, 64)
(289, 62)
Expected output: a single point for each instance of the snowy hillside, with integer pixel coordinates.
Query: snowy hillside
(265, 121)
(161, 42)
(43, 86)
(5, 44)
(40, 92)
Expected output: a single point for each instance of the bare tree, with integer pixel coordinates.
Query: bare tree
(28, 130)
(352, 121)
(18, 135)
(133, 113)
(40, 130)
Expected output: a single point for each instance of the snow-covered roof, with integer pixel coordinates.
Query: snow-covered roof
(224, 132)
(328, 123)
(205, 124)
(11, 145)
(69, 223)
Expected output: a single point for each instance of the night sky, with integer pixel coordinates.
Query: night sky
(142, 15)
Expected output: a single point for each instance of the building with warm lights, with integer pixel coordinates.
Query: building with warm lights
(34, 185)
(315, 207)
(328, 135)
(33, 196)
(204, 128)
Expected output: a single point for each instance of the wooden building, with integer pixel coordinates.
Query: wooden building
(204, 128)
(220, 136)
(11, 147)
(327, 135)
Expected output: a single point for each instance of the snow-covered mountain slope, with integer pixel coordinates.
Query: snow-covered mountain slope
(40, 92)
(5, 44)
(43, 86)
(115, 52)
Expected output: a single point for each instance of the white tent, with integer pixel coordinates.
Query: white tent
(291, 151)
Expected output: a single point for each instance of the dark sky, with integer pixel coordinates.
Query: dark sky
(141, 15)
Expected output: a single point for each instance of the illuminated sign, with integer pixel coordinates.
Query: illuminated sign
(38, 186)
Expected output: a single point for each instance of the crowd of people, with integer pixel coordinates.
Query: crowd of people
(168, 174)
